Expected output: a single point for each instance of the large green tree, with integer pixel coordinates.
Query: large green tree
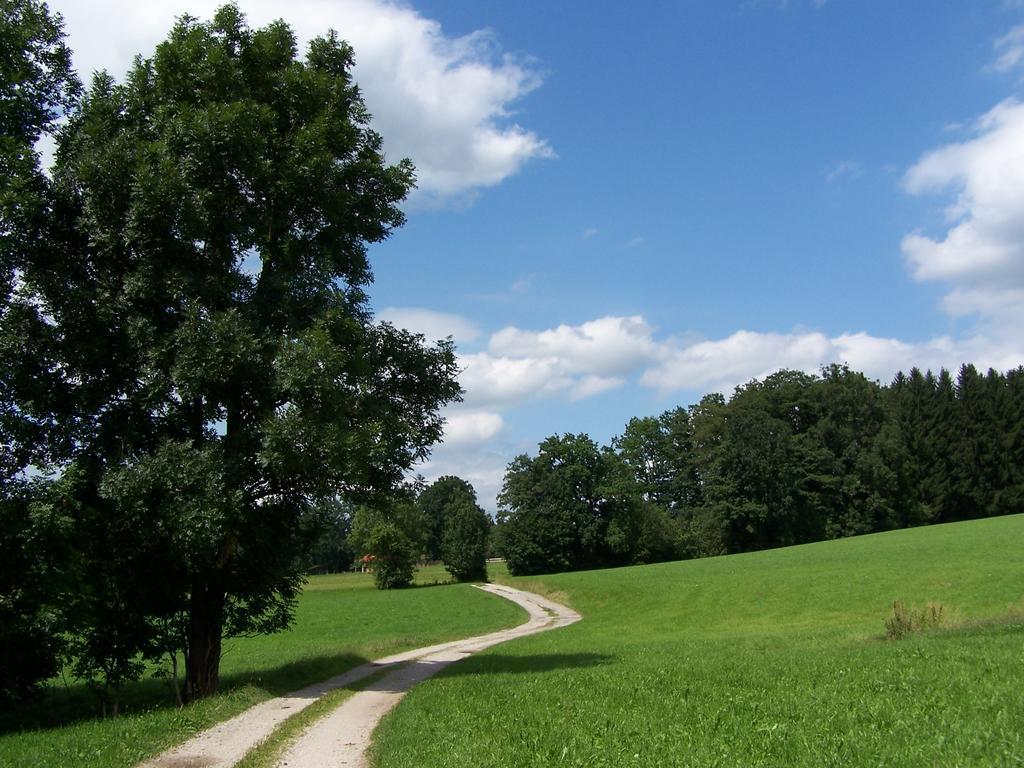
(435, 501)
(467, 528)
(191, 340)
(458, 528)
(859, 454)
(565, 509)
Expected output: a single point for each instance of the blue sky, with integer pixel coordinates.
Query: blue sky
(623, 207)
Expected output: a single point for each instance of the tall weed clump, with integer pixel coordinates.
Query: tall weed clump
(906, 621)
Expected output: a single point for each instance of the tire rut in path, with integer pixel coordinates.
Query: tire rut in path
(342, 737)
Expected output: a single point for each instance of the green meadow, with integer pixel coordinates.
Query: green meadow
(770, 658)
(341, 622)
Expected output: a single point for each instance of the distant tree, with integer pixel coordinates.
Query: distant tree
(393, 556)
(978, 458)
(495, 540)
(332, 552)
(797, 457)
(658, 537)
(758, 497)
(464, 545)
(660, 453)
(189, 344)
(852, 417)
(764, 475)
(641, 447)
(549, 507)
(702, 522)
(1012, 433)
(563, 509)
(943, 432)
(397, 508)
(909, 402)
(435, 501)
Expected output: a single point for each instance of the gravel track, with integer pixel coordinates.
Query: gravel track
(342, 737)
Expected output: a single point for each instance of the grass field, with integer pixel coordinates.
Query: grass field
(770, 658)
(341, 622)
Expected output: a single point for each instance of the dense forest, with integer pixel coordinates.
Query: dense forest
(791, 459)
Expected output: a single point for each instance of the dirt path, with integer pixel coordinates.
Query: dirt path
(342, 737)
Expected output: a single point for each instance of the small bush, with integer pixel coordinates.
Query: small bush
(394, 556)
(905, 621)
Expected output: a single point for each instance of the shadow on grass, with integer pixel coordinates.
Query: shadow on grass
(60, 705)
(297, 674)
(423, 669)
(504, 664)
(428, 584)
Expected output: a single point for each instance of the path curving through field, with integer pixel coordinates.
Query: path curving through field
(342, 737)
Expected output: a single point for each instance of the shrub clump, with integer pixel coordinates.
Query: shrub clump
(394, 556)
(906, 621)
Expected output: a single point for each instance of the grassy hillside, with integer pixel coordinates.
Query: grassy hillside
(341, 622)
(769, 658)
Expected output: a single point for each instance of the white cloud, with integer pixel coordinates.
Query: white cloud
(589, 386)
(1006, 304)
(722, 364)
(635, 242)
(483, 469)
(444, 102)
(522, 285)
(981, 255)
(844, 169)
(1010, 50)
(506, 381)
(781, 5)
(573, 362)
(588, 233)
(881, 357)
(608, 346)
(433, 325)
(471, 428)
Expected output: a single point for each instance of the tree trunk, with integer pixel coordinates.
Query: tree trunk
(205, 624)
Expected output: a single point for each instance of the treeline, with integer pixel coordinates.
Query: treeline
(791, 459)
